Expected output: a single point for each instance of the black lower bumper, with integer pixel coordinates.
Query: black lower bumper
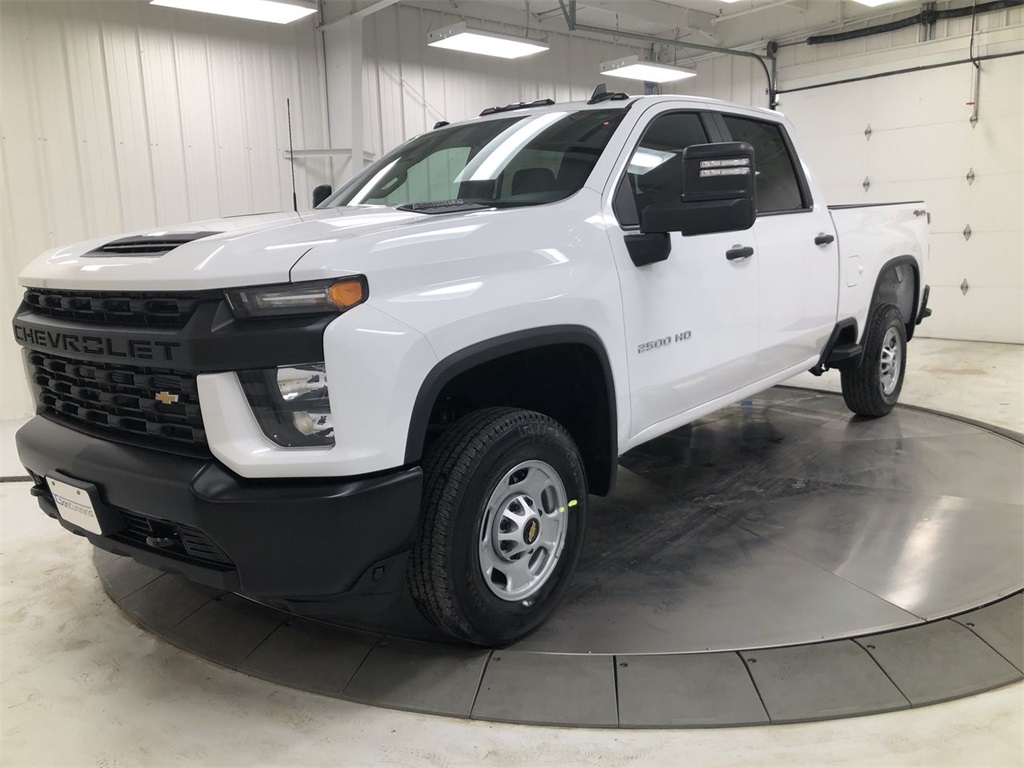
(296, 540)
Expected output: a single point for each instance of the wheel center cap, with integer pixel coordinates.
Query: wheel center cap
(531, 531)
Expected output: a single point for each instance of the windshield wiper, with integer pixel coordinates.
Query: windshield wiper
(441, 206)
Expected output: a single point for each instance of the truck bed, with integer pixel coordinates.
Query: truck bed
(872, 237)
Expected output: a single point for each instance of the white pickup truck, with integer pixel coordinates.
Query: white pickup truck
(419, 382)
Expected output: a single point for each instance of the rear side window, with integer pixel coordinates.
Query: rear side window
(778, 188)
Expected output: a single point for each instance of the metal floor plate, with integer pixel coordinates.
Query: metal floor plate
(777, 561)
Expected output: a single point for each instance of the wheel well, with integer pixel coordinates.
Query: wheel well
(897, 285)
(568, 382)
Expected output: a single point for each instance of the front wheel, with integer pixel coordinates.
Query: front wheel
(872, 387)
(501, 529)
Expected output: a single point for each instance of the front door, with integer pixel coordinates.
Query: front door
(691, 321)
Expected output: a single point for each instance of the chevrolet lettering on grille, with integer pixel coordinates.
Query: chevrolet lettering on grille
(93, 345)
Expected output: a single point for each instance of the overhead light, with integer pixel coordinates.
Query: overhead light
(275, 11)
(633, 68)
(875, 3)
(458, 37)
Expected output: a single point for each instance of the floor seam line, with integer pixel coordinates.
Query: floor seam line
(191, 613)
(139, 589)
(259, 645)
(986, 642)
(362, 663)
(480, 682)
(888, 677)
(615, 676)
(753, 682)
(831, 573)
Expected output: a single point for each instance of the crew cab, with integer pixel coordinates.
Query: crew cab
(418, 384)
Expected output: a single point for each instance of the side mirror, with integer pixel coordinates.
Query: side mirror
(321, 193)
(718, 191)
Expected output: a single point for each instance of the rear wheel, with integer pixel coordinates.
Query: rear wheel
(504, 511)
(872, 387)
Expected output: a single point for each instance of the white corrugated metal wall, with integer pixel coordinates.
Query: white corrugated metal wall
(120, 115)
(407, 86)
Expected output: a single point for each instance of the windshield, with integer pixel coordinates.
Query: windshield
(511, 161)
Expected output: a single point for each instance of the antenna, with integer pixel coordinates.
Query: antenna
(291, 155)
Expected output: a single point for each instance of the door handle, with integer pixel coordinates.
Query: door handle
(823, 239)
(739, 252)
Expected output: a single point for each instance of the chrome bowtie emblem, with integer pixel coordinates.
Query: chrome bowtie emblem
(166, 398)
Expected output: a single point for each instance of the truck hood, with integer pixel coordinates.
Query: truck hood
(219, 253)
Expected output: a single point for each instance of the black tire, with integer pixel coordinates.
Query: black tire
(864, 386)
(461, 471)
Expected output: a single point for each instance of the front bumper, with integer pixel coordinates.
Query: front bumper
(301, 541)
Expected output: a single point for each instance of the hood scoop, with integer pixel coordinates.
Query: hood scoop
(148, 245)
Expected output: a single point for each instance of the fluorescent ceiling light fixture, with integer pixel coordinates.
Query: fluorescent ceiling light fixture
(633, 68)
(458, 37)
(875, 3)
(275, 11)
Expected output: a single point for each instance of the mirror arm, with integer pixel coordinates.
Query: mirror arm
(648, 248)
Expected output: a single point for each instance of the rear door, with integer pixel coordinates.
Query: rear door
(691, 319)
(796, 253)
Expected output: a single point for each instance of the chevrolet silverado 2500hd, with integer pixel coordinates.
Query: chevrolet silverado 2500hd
(419, 382)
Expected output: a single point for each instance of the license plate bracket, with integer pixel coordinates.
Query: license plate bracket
(78, 503)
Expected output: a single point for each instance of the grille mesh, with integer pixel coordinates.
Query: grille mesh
(159, 309)
(121, 400)
(187, 543)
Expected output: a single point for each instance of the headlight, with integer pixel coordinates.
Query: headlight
(298, 298)
(291, 404)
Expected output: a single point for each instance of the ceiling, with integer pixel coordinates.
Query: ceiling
(746, 23)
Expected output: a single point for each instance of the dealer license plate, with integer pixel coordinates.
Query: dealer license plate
(74, 505)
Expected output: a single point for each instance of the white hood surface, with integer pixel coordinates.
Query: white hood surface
(242, 250)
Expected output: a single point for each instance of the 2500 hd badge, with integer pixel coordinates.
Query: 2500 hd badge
(664, 341)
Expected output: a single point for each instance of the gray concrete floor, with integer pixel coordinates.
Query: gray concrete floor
(81, 685)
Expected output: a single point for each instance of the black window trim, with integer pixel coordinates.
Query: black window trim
(712, 129)
(801, 181)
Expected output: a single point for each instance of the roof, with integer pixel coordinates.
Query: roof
(536, 108)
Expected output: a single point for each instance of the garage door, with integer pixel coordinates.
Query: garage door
(909, 137)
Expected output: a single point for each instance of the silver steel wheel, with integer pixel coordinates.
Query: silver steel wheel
(523, 531)
(889, 361)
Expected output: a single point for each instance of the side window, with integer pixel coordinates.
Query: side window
(655, 171)
(777, 185)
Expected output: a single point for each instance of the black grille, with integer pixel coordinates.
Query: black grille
(160, 309)
(174, 538)
(121, 401)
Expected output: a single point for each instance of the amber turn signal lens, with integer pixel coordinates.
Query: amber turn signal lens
(346, 294)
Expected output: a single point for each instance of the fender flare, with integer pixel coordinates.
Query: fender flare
(890, 264)
(492, 349)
